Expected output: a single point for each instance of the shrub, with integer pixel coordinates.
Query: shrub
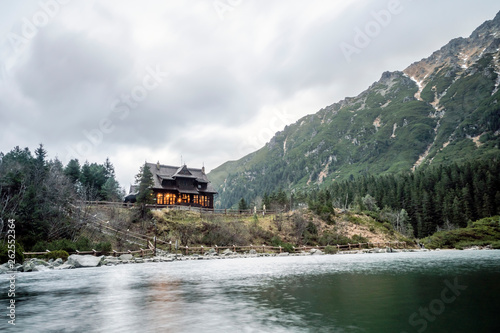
(359, 239)
(104, 247)
(312, 229)
(287, 247)
(276, 241)
(496, 245)
(4, 253)
(331, 249)
(330, 238)
(83, 244)
(40, 246)
(355, 220)
(57, 254)
(63, 244)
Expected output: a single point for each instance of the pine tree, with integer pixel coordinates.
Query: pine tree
(144, 180)
(72, 170)
(242, 205)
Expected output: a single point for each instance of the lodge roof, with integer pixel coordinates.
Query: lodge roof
(166, 172)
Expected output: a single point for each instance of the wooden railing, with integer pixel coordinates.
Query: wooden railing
(141, 252)
(186, 207)
(186, 250)
(278, 249)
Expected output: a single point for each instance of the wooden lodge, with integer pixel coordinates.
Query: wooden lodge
(181, 186)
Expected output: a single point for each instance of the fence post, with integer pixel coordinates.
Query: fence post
(187, 250)
(234, 248)
(216, 248)
(349, 246)
(95, 252)
(280, 248)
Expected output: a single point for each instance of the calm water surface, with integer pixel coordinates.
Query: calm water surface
(446, 291)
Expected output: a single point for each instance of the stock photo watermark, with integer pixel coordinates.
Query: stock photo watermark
(420, 320)
(277, 121)
(11, 254)
(363, 37)
(120, 108)
(30, 25)
(222, 7)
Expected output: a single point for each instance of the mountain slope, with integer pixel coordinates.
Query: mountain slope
(441, 109)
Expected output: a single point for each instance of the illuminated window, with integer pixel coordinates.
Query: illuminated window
(170, 199)
(195, 199)
(159, 198)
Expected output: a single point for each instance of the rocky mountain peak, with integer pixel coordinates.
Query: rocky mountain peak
(459, 54)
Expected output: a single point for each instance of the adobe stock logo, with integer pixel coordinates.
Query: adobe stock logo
(30, 26)
(276, 122)
(372, 29)
(120, 109)
(224, 6)
(436, 307)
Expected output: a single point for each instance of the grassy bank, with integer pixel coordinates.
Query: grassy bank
(485, 232)
(300, 227)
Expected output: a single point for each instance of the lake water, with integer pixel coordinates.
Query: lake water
(444, 291)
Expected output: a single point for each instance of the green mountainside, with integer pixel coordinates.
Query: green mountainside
(440, 110)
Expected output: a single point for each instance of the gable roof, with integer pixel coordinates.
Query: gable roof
(166, 172)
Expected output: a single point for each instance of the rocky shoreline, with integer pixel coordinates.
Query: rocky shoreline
(80, 261)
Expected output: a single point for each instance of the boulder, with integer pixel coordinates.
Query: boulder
(84, 261)
(57, 262)
(316, 252)
(39, 262)
(252, 251)
(64, 266)
(126, 257)
(211, 252)
(28, 266)
(227, 252)
(111, 261)
(4, 268)
(40, 268)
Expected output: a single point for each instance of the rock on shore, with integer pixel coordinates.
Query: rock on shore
(80, 261)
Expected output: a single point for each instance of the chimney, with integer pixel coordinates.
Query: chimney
(203, 169)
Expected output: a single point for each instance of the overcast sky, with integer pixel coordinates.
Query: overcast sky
(207, 80)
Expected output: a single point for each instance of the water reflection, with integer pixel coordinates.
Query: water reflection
(363, 293)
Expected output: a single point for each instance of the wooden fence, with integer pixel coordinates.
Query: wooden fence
(186, 250)
(258, 248)
(187, 208)
(141, 252)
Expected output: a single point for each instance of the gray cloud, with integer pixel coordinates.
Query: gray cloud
(224, 81)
